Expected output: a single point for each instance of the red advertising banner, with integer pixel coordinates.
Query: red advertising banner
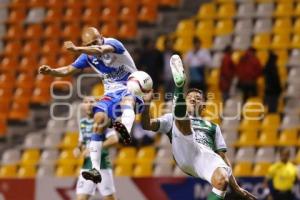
(17, 189)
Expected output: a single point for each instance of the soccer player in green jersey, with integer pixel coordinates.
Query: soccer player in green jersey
(197, 144)
(86, 188)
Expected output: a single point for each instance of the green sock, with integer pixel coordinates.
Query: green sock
(179, 102)
(213, 196)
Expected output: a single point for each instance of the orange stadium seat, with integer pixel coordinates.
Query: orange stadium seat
(283, 56)
(43, 81)
(8, 171)
(72, 15)
(49, 59)
(28, 64)
(13, 48)
(30, 47)
(3, 125)
(128, 30)
(91, 16)
(207, 11)
(25, 81)
(148, 14)
(15, 32)
(72, 31)
(19, 111)
(242, 169)
(169, 3)
(267, 138)
(226, 10)
(27, 172)
(22, 95)
(150, 2)
(224, 27)
(9, 64)
(55, 4)
(110, 29)
(109, 14)
(17, 15)
(75, 4)
(92, 4)
(34, 31)
(37, 3)
(54, 15)
(41, 95)
(128, 13)
(4, 106)
(111, 4)
(7, 81)
(52, 31)
(18, 4)
(65, 60)
(51, 46)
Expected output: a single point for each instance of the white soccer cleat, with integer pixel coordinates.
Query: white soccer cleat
(177, 70)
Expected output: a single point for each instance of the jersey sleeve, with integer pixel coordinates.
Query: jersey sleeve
(165, 123)
(81, 62)
(219, 140)
(116, 44)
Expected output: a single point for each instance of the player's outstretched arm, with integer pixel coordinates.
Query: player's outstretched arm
(147, 122)
(97, 50)
(58, 72)
(233, 183)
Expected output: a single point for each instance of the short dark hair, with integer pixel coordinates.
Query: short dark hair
(196, 90)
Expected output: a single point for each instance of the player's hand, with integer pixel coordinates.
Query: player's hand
(70, 46)
(148, 96)
(45, 69)
(245, 194)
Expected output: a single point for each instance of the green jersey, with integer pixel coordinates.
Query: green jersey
(85, 134)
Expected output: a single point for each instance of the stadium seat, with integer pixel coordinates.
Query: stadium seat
(128, 30)
(283, 10)
(37, 3)
(53, 15)
(290, 121)
(33, 141)
(26, 172)
(297, 158)
(8, 64)
(226, 10)
(8, 171)
(163, 170)
(241, 42)
(31, 46)
(45, 171)
(19, 111)
(296, 27)
(22, 95)
(148, 14)
(281, 41)
(72, 15)
(247, 138)
(7, 81)
(34, 32)
(109, 14)
(10, 156)
(13, 48)
(72, 32)
(296, 41)
(183, 26)
(267, 138)
(220, 42)
(292, 107)
(52, 31)
(15, 32)
(145, 155)
(250, 125)
(75, 4)
(261, 169)
(110, 29)
(282, 57)
(65, 171)
(41, 95)
(207, 11)
(245, 10)
(69, 141)
(265, 154)
(52, 141)
(254, 108)
(242, 169)
(224, 27)
(264, 10)
(243, 27)
(169, 3)
(142, 170)
(183, 44)
(55, 4)
(262, 41)
(271, 122)
(282, 26)
(126, 156)
(293, 77)
(91, 16)
(16, 15)
(30, 157)
(28, 65)
(288, 138)
(205, 28)
(67, 157)
(245, 154)
(164, 155)
(92, 4)
(263, 26)
(123, 170)
(128, 13)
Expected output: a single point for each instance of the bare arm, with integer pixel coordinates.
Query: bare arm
(147, 122)
(58, 72)
(90, 50)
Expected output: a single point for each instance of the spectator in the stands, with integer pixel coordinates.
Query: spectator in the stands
(167, 74)
(196, 60)
(226, 72)
(248, 71)
(272, 83)
(151, 61)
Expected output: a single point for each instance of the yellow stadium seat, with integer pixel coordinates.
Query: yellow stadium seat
(297, 10)
(288, 138)
(213, 78)
(283, 56)
(226, 10)
(185, 28)
(260, 86)
(224, 27)
(261, 169)
(145, 155)
(283, 74)
(126, 156)
(8, 171)
(65, 171)
(263, 56)
(30, 157)
(207, 11)
(297, 159)
(183, 44)
(249, 125)
(296, 41)
(267, 138)
(254, 108)
(160, 42)
(205, 28)
(142, 170)
(242, 169)
(247, 138)
(27, 172)
(98, 90)
(206, 41)
(236, 56)
(123, 170)
(67, 157)
(283, 10)
(281, 41)
(262, 41)
(282, 26)
(271, 122)
(296, 27)
(70, 141)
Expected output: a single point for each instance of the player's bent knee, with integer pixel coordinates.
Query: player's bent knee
(101, 122)
(220, 179)
(82, 197)
(110, 197)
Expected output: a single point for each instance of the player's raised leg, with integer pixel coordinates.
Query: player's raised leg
(219, 182)
(179, 79)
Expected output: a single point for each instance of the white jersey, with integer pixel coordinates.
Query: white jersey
(195, 153)
(114, 68)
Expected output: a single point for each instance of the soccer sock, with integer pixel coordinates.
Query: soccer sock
(128, 117)
(95, 150)
(179, 102)
(216, 194)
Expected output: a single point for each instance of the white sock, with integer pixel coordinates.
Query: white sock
(127, 118)
(95, 150)
(219, 192)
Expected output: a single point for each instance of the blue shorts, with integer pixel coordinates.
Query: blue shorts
(110, 104)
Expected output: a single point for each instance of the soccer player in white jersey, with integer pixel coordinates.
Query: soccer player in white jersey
(110, 59)
(86, 188)
(197, 144)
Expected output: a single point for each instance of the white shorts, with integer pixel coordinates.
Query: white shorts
(106, 187)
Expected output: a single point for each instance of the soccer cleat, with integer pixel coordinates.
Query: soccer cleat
(177, 70)
(93, 175)
(122, 130)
